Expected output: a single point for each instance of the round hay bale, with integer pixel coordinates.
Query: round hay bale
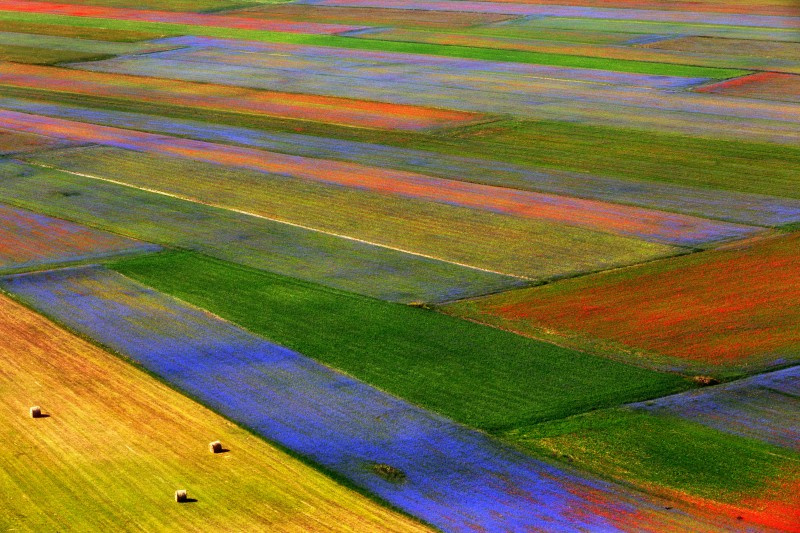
(389, 472)
(215, 447)
(705, 381)
(36, 412)
(180, 496)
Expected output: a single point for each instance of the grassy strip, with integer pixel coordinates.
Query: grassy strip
(477, 375)
(45, 56)
(661, 451)
(465, 52)
(95, 34)
(649, 156)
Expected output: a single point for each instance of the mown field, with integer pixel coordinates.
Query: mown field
(485, 262)
(93, 465)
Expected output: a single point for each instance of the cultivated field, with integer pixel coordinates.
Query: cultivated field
(285, 249)
(29, 239)
(500, 265)
(738, 477)
(335, 420)
(728, 311)
(116, 445)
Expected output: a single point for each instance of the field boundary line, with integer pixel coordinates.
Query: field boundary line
(280, 221)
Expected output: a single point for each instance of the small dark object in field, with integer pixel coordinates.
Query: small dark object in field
(419, 305)
(215, 447)
(67, 194)
(705, 381)
(36, 412)
(180, 496)
(388, 472)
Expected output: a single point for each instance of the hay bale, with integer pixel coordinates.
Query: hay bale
(389, 472)
(215, 447)
(705, 381)
(181, 496)
(36, 412)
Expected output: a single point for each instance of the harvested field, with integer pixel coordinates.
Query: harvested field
(117, 442)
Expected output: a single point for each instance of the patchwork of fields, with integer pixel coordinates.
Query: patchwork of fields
(494, 265)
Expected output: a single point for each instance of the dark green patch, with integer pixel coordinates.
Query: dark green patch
(477, 375)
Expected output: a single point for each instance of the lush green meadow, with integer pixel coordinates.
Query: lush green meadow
(477, 375)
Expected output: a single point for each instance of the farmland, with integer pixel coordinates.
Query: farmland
(731, 475)
(404, 350)
(493, 265)
(732, 310)
(28, 239)
(343, 424)
(128, 471)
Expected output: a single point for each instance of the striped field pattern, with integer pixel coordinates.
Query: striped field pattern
(475, 265)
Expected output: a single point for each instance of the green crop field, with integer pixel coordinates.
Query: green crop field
(475, 374)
